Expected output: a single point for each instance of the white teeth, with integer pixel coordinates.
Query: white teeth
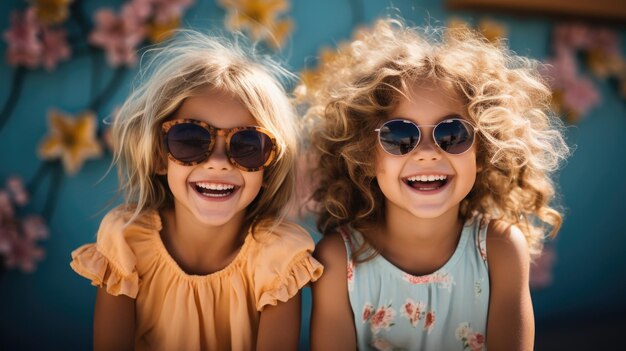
(215, 186)
(427, 178)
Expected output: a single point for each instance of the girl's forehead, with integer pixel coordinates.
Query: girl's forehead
(428, 104)
(217, 108)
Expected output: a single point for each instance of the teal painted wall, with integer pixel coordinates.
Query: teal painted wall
(53, 307)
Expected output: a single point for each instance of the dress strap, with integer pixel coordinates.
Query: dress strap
(481, 225)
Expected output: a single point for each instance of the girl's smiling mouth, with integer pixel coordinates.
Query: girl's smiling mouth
(215, 190)
(427, 182)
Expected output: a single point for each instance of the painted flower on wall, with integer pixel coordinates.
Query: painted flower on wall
(73, 140)
(491, 30)
(118, 35)
(259, 18)
(19, 235)
(24, 47)
(541, 268)
(31, 44)
(159, 31)
(574, 94)
(51, 11)
(310, 76)
(121, 34)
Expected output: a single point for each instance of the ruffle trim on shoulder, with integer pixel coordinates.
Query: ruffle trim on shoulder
(90, 263)
(302, 270)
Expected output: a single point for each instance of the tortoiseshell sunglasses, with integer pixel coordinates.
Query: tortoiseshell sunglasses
(189, 142)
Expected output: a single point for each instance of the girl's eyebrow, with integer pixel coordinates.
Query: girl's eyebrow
(443, 118)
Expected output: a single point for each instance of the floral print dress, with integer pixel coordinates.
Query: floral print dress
(445, 310)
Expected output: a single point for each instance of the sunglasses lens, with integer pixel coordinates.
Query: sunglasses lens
(398, 137)
(250, 148)
(454, 136)
(188, 142)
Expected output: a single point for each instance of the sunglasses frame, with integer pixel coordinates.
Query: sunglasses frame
(473, 129)
(214, 133)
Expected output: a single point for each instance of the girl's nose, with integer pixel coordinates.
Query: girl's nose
(426, 149)
(218, 159)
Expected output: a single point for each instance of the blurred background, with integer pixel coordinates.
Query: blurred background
(66, 65)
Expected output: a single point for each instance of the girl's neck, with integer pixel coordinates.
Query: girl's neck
(401, 223)
(200, 249)
(418, 245)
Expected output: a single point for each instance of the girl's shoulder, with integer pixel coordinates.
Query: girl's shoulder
(503, 235)
(280, 261)
(283, 236)
(508, 248)
(331, 249)
(122, 224)
(122, 239)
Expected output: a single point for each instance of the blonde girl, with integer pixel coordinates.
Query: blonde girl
(199, 257)
(433, 191)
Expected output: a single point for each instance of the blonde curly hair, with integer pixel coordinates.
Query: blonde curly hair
(519, 143)
(186, 66)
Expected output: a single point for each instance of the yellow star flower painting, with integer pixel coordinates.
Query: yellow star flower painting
(73, 140)
(51, 11)
(259, 18)
(157, 32)
(310, 76)
(491, 30)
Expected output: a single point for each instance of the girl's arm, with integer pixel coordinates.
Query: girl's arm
(510, 324)
(332, 323)
(279, 327)
(114, 322)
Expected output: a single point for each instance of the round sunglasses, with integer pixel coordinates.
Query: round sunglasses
(189, 142)
(400, 136)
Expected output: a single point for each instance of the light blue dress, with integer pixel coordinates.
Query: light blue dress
(445, 310)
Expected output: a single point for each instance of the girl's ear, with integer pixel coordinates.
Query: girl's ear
(479, 167)
(161, 168)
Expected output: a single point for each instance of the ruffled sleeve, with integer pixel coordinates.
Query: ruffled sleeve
(111, 262)
(284, 264)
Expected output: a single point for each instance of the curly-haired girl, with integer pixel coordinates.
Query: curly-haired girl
(199, 256)
(433, 191)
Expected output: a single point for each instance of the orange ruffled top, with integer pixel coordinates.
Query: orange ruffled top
(178, 311)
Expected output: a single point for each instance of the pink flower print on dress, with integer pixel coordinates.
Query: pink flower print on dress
(463, 331)
(429, 321)
(470, 340)
(481, 246)
(476, 342)
(414, 311)
(382, 319)
(368, 310)
(442, 278)
(350, 275)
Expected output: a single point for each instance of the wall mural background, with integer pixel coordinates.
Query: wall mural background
(67, 64)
